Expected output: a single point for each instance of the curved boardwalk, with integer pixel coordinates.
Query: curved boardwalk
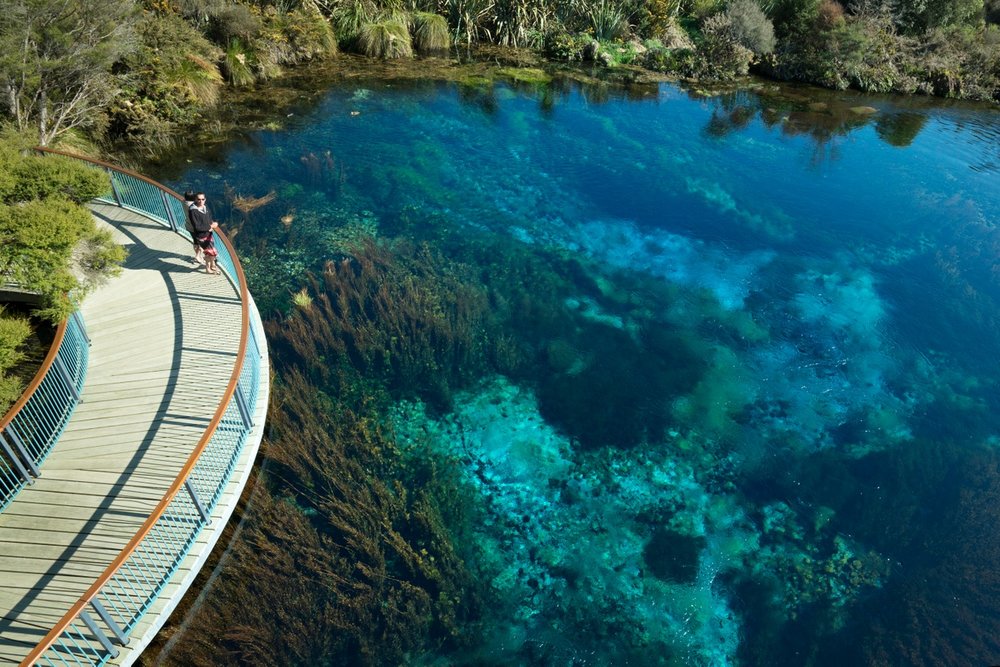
(164, 338)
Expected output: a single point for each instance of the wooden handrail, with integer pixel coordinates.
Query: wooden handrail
(36, 381)
(178, 483)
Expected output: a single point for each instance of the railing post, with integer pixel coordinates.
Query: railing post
(110, 622)
(241, 405)
(170, 214)
(15, 459)
(61, 367)
(197, 501)
(98, 634)
(79, 322)
(256, 344)
(114, 188)
(15, 439)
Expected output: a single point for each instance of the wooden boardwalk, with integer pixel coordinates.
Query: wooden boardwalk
(164, 338)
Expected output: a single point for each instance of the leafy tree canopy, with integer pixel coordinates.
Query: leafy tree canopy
(56, 58)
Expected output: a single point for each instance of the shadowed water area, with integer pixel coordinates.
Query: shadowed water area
(586, 376)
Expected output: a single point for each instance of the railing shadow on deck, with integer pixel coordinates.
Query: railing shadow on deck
(104, 617)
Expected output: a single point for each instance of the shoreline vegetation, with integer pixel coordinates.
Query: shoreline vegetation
(144, 75)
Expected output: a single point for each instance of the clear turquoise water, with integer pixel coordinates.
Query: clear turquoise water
(826, 487)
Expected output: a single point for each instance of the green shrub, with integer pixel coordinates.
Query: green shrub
(918, 16)
(992, 11)
(233, 21)
(430, 32)
(960, 62)
(49, 242)
(172, 78)
(683, 62)
(794, 17)
(561, 45)
(387, 39)
(290, 37)
(870, 55)
(721, 55)
(750, 26)
(701, 9)
(656, 17)
(307, 32)
(14, 331)
(31, 177)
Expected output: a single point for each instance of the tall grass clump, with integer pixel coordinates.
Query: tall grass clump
(237, 64)
(430, 32)
(196, 78)
(389, 38)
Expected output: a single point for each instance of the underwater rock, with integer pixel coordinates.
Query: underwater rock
(623, 397)
(673, 556)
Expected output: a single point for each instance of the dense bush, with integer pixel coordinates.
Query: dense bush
(14, 331)
(961, 62)
(750, 26)
(918, 16)
(721, 53)
(170, 78)
(49, 243)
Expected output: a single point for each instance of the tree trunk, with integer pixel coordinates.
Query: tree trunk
(43, 119)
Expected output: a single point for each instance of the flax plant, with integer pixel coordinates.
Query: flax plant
(606, 19)
(470, 19)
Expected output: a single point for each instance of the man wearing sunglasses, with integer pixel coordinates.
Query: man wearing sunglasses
(204, 225)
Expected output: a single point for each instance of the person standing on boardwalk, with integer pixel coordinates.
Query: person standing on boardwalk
(204, 226)
(199, 254)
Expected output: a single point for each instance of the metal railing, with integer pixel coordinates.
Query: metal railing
(106, 614)
(34, 423)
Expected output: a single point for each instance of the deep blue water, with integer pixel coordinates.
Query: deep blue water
(822, 492)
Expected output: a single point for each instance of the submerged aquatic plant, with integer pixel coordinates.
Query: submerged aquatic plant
(342, 542)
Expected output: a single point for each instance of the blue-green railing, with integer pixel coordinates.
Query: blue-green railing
(104, 617)
(34, 423)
